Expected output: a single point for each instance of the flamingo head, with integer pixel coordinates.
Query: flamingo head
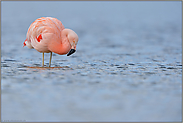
(73, 39)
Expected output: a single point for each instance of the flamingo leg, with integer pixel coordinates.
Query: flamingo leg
(43, 60)
(50, 59)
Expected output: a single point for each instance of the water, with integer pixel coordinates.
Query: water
(127, 66)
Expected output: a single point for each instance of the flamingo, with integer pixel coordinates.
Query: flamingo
(47, 35)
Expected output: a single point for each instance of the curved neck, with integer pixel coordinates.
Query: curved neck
(60, 46)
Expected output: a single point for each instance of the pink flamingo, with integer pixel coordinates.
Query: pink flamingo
(47, 35)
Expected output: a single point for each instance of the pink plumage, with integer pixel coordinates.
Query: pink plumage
(47, 34)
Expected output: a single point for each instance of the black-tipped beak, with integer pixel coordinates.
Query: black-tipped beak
(71, 52)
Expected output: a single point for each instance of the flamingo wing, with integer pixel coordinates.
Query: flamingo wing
(42, 31)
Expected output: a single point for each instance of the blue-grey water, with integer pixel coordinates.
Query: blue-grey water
(127, 66)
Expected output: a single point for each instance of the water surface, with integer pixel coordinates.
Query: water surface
(127, 66)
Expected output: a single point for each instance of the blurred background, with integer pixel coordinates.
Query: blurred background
(127, 66)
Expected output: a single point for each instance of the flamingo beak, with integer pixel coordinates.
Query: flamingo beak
(71, 52)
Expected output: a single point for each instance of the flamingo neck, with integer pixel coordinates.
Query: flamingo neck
(60, 45)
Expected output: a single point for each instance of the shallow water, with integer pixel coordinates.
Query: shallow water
(127, 66)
